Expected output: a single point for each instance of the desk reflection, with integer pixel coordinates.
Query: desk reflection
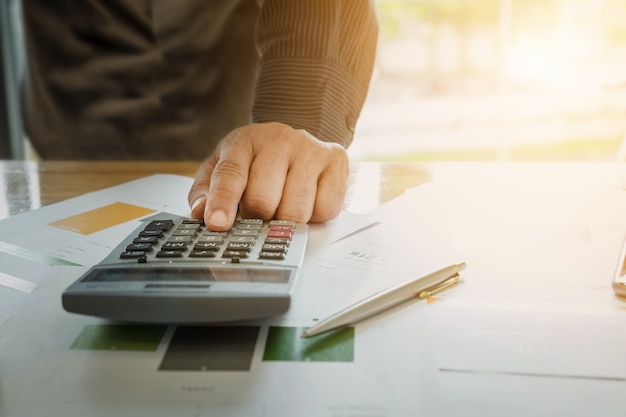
(20, 188)
(29, 185)
(373, 184)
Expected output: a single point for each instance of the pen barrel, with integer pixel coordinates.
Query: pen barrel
(393, 296)
(386, 299)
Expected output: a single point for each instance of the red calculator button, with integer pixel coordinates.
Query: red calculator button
(279, 233)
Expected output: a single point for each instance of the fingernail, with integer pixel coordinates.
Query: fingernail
(218, 218)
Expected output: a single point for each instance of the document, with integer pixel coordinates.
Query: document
(534, 327)
(59, 364)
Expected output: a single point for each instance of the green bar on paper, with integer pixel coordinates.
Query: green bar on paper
(119, 337)
(285, 344)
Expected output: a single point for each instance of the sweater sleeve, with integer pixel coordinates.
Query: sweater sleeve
(316, 63)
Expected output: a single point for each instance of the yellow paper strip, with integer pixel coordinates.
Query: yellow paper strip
(102, 218)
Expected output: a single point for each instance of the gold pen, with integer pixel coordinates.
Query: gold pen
(421, 287)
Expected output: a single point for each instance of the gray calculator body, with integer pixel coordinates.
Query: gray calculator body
(174, 270)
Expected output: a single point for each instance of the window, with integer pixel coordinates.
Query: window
(496, 80)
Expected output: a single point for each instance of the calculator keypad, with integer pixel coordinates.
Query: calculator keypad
(247, 239)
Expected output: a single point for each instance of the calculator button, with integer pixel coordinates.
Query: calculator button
(145, 247)
(235, 254)
(145, 239)
(210, 233)
(132, 254)
(239, 246)
(246, 232)
(174, 246)
(188, 226)
(159, 225)
(179, 239)
(202, 253)
(279, 233)
(213, 239)
(274, 247)
(193, 221)
(279, 240)
(272, 255)
(250, 221)
(184, 232)
(169, 254)
(243, 239)
(282, 223)
(156, 233)
(213, 246)
(282, 227)
(247, 226)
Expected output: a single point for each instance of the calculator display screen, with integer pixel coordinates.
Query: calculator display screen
(248, 274)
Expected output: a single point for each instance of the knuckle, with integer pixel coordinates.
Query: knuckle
(325, 212)
(338, 153)
(330, 206)
(257, 206)
(281, 130)
(230, 169)
(298, 204)
(296, 211)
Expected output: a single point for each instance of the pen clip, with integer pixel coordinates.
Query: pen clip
(440, 287)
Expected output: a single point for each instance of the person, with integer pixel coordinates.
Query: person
(269, 90)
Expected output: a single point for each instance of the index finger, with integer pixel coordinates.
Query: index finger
(224, 185)
(196, 197)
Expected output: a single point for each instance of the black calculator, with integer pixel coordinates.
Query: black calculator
(174, 270)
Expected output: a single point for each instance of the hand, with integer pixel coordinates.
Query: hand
(270, 170)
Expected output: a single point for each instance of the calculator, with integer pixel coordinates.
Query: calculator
(174, 270)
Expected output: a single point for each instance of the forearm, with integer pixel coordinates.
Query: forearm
(316, 63)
